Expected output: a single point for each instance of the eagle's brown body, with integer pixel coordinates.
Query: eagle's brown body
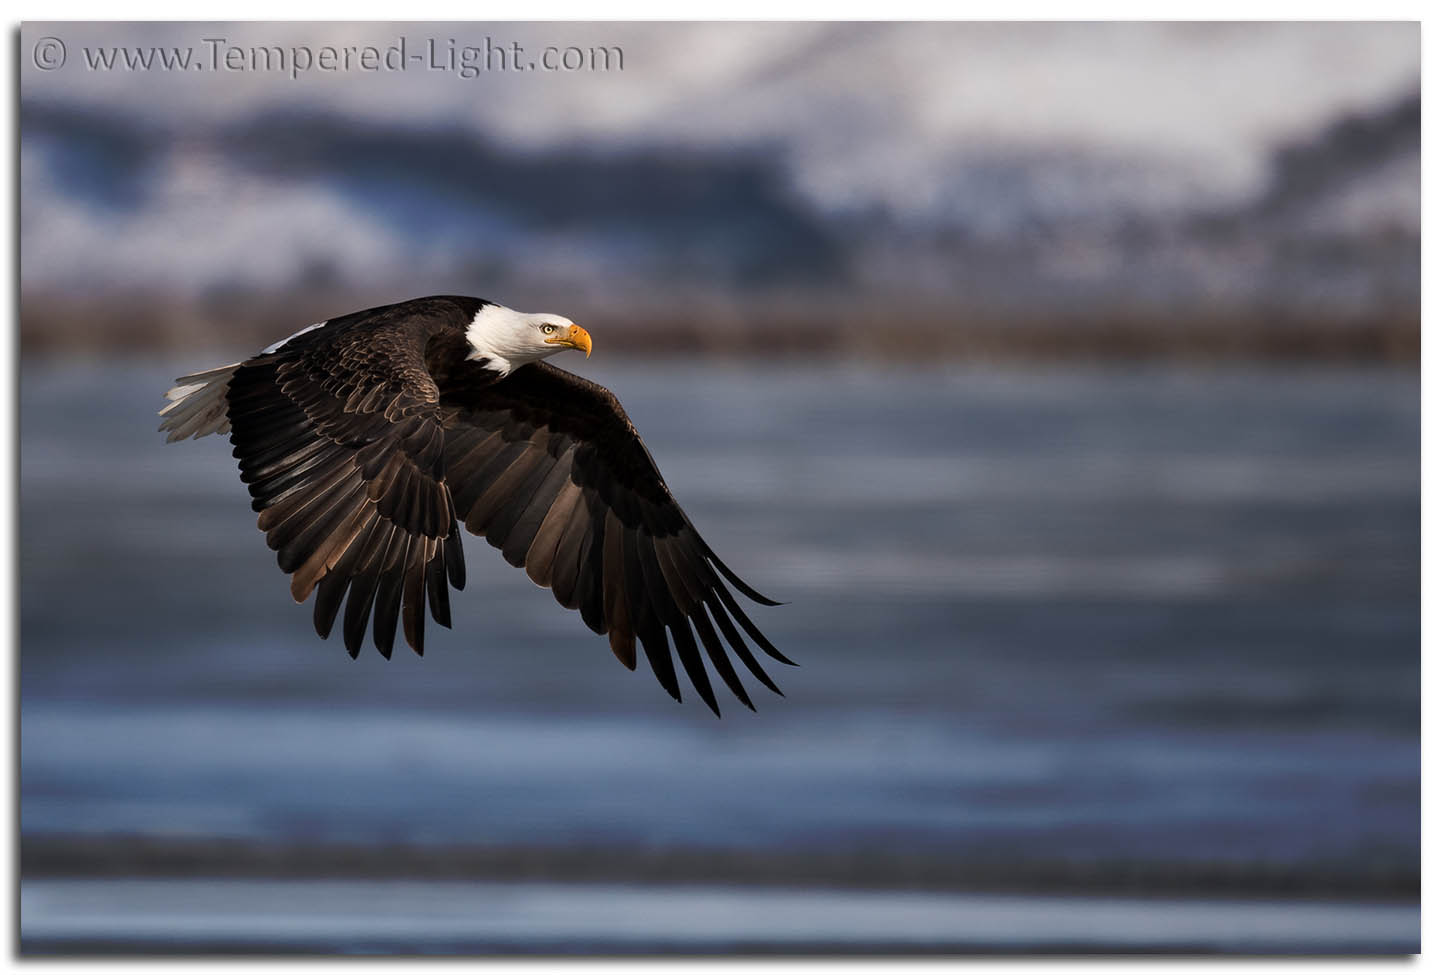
(367, 441)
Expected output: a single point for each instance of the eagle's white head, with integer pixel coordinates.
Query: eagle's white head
(509, 339)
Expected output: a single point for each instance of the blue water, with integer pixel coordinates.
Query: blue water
(455, 918)
(1076, 615)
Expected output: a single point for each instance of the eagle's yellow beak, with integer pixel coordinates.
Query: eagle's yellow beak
(574, 337)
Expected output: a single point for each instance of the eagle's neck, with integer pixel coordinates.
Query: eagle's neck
(502, 337)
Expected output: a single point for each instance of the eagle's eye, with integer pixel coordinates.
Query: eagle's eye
(548, 329)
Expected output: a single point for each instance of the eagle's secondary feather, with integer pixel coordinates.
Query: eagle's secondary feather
(368, 440)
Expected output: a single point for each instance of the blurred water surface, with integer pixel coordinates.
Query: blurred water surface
(1069, 614)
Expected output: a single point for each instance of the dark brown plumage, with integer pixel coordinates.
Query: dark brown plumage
(367, 441)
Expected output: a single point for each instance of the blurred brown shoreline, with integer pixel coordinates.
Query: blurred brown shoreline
(63, 326)
(131, 856)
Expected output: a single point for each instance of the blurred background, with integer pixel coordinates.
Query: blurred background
(1062, 378)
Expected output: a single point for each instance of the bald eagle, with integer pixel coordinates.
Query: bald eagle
(367, 439)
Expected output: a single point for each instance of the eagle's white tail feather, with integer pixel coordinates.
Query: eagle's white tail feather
(198, 405)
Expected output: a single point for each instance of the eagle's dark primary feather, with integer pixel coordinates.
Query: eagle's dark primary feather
(599, 524)
(367, 441)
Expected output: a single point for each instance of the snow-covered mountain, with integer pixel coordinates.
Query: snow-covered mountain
(1009, 164)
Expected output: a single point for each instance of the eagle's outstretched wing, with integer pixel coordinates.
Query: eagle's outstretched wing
(549, 469)
(339, 439)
